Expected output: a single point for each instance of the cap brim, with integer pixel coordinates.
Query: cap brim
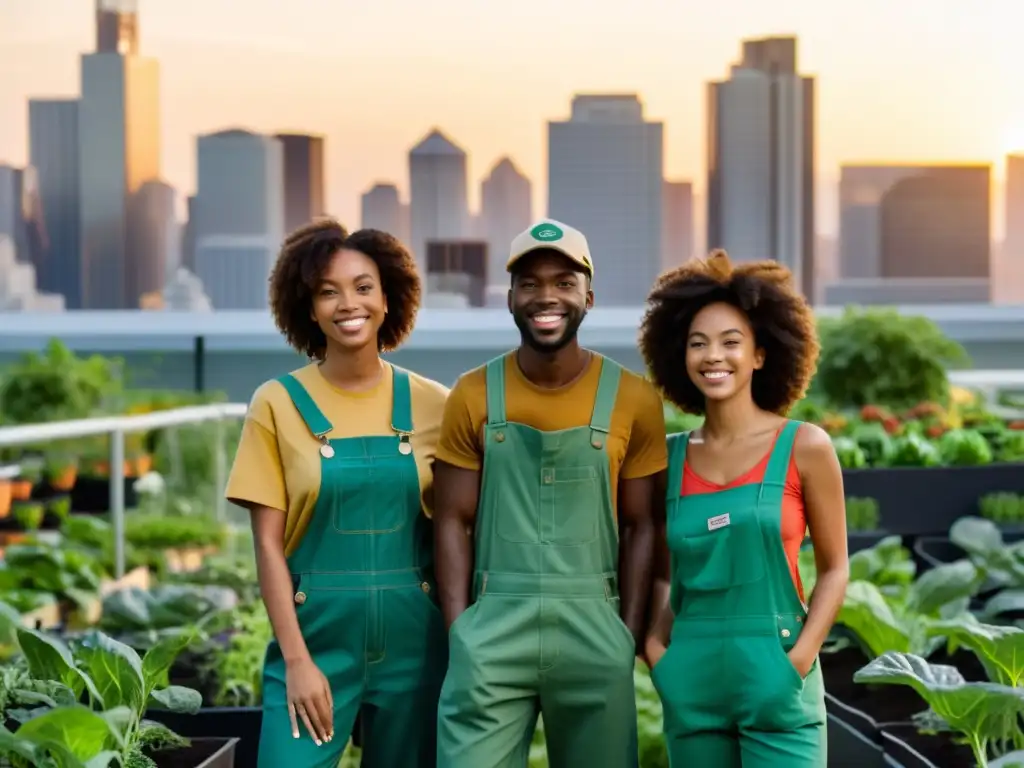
(549, 247)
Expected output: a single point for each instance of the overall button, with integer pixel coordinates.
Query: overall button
(425, 587)
(548, 477)
(597, 443)
(300, 598)
(785, 633)
(499, 437)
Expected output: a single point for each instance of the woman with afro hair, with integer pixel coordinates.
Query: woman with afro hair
(335, 464)
(733, 646)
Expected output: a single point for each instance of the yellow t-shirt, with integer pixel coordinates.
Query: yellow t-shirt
(277, 463)
(636, 443)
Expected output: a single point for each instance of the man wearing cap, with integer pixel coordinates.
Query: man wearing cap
(549, 456)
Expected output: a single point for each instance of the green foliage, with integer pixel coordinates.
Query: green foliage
(881, 356)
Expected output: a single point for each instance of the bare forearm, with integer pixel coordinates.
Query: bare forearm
(661, 611)
(635, 574)
(827, 600)
(276, 589)
(454, 566)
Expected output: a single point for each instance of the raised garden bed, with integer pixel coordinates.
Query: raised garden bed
(921, 501)
(240, 724)
(890, 709)
(202, 753)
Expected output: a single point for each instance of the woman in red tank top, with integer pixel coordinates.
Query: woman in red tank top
(733, 645)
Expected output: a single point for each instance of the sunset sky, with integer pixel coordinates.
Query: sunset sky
(898, 80)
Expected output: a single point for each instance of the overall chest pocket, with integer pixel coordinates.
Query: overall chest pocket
(718, 551)
(375, 498)
(570, 505)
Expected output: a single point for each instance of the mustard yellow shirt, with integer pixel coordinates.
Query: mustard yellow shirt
(636, 443)
(277, 463)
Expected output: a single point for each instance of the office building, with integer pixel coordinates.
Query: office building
(53, 152)
(506, 210)
(761, 160)
(438, 193)
(303, 178)
(239, 216)
(119, 151)
(605, 173)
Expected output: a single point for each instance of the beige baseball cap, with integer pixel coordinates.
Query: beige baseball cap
(556, 236)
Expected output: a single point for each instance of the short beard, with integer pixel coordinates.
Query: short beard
(573, 321)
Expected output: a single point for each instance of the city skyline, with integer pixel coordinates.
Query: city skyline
(939, 65)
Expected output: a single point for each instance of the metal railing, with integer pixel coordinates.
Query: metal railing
(116, 427)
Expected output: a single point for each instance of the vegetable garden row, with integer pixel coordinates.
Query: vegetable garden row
(161, 668)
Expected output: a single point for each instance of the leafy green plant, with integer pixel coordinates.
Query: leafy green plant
(880, 356)
(979, 711)
(1002, 508)
(862, 514)
(119, 686)
(899, 619)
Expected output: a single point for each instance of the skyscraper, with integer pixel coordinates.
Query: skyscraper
(239, 216)
(506, 209)
(677, 223)
(761, 125)
(53, 151)
(303, 178)
(382, 208)
(119, 151)
(438, 207)
(605, 178)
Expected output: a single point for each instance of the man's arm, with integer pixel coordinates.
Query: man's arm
(456, 493)
(457, 466)
(641, 504)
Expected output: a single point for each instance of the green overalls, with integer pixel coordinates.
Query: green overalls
(730, 694)
(362, 576)
(544, 630)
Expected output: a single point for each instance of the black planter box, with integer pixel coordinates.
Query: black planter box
(240, 724)
(201, 753)
(91, 495)
(848, 746)
(928, 500)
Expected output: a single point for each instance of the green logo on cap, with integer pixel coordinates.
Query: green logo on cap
(546, 232)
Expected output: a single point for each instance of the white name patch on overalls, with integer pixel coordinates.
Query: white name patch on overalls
(719, 521)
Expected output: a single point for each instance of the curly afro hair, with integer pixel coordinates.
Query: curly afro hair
(305, 254)
(782, 320)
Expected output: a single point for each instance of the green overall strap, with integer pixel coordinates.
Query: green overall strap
(773, 486)
(604, 401)
(676, 461)
(308, 410)
(496, 392)
(401, 403)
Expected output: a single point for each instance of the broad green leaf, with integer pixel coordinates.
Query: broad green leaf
(978, 710)
(866, 612)
(116, 669)
(49, 658)
(1004, 601)
(159, 658)
(79, 730)
(942, 585)
(177, 698)
(1000, 649)
(1010, 760)
(976, 536)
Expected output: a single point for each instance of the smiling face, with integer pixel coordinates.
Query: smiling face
(349, 303)
(721, 352)
(548, 300)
